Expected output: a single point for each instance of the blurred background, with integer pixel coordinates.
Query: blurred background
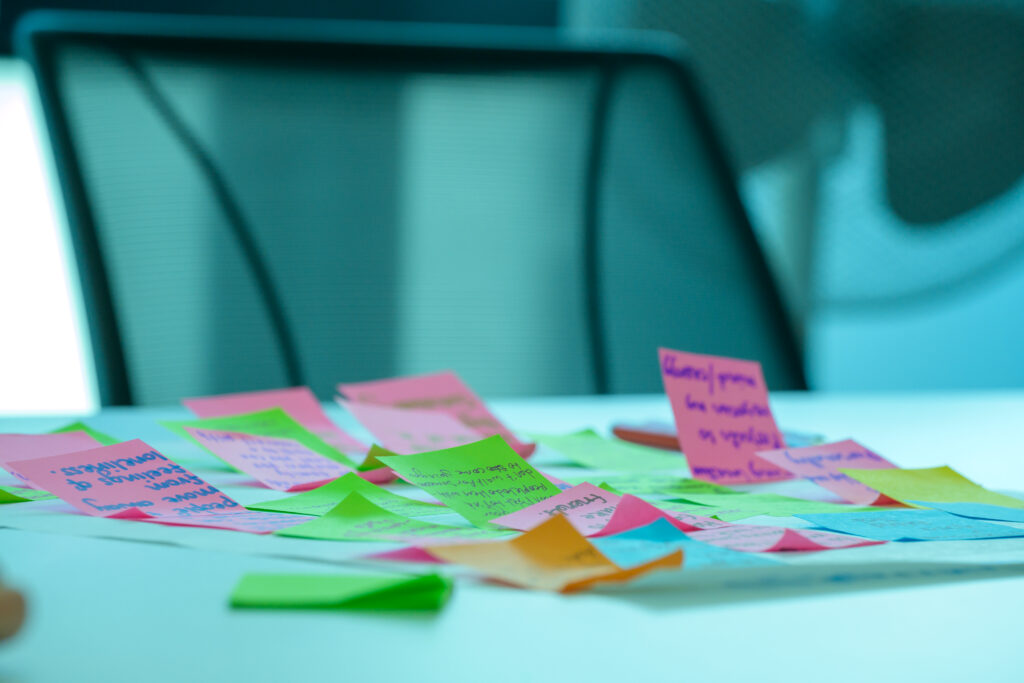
(879, 146)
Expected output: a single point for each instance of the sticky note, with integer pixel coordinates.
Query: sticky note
(646, 543)
(342, 591)
(441, 391)
(733, 506)
(481, 480)
(646, 484)
(298, 402)
(271, 422)
(752, 538)
(15, 447)
(410, 431)
(822, 464)
(632, 512)
(132, 480)
(17, 494)
(321, 500)
(587, 508)
(939, 484)
(101, 438)
(977, 510)
(357, 519)
(589, 449)
(913, 525)
(280, 464)
(722, 417)
(553, 556)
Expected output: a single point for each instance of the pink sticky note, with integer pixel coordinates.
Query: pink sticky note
(587, 507)
(632, 512)
(278, 463)
(722, 417)
(125, 477)
(751, 538)
(821, 464)
(298, 402)
(410, 431)
(441, 391)
(14, 447)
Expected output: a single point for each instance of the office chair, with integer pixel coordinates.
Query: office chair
(259, 203)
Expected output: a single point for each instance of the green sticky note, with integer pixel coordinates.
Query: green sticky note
(643, 484)
(939, 484)
(481, 481)
(104, 439)
(320, 500)
(371, 462)
(274, 422)
(732, 506)
(342, 591)
(16, 494)
(589, 449)
(357, 519)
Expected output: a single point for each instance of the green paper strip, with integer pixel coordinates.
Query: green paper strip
(342, 591)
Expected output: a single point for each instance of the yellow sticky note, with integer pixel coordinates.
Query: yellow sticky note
(552, 556)
(937, 484)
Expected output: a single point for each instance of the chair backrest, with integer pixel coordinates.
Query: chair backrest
(257, 203)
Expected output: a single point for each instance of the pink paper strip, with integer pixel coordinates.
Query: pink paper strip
(821, 464)
(587, 507)
(278, 463)
(298, 402)
(722, 417)
(442, 391)
(410, 431)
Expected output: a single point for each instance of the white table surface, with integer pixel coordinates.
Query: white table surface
(116, 610)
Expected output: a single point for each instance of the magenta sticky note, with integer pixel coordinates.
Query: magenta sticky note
(632, 513)
(278, 463)
(762, 539)
(587, 507)
(299, 402)
(440, 391)
(125, 477)
(722, 417)
(14, 447)
(821, 464)
(410, 431)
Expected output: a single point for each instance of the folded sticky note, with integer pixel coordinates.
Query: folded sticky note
(587, 508)
(342, 591)
(322, 499)
(939, 484)
(100, 437)
(552, 556)
(913, 525)
(977, 510)
(480, 480)
(646, 543)
(407, 431)
(357, 519)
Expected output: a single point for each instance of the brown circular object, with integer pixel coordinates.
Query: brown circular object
(12, 612)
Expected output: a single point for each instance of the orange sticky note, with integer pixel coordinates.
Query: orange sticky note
(552, 556)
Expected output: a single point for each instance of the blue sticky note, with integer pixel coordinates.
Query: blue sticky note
(910, 525)
(977, 510)
(658, 538)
